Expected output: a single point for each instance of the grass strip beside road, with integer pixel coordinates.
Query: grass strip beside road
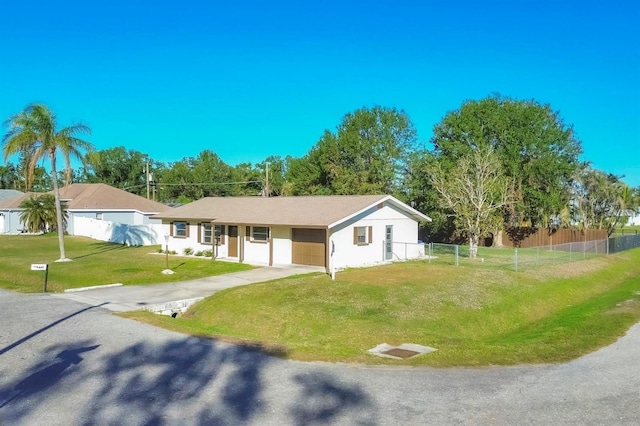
(94, 263)
(473, 316)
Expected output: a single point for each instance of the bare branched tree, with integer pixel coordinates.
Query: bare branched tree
(475, 191)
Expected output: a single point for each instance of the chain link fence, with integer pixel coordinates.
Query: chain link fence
(515, 258)
(622, 243)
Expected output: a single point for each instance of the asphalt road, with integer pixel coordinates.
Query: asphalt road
(67, 363)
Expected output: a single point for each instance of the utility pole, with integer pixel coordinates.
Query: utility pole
(267, 190)
(147, 169)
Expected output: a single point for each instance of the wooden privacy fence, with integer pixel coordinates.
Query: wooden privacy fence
(540, 237)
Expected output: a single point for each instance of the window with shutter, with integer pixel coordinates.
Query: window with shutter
(362, 235)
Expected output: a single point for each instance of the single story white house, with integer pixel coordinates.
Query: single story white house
(329, 231)
(634, 219)
(99, 211)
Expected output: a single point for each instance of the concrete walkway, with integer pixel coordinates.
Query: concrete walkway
(134, 297)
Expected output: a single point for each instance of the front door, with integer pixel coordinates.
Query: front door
(388, 242)
(233, 241)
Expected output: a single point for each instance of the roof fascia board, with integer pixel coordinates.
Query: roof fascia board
(413, 212)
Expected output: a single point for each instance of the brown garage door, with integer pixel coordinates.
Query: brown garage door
(308, 246)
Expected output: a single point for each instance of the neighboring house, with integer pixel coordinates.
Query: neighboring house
(328, 231)
(634, 219)
(101, 212)
(9, 219)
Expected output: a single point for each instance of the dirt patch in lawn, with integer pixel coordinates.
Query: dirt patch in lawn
(630, 306)
(571, 269)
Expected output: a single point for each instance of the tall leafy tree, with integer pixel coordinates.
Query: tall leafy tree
(367, 154)
(250, 179)
(536, 149)
(273, 174)
(34, 130)
(119, 167)
(192, 178)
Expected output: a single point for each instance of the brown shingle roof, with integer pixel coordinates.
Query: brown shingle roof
(104, 197)
(295, 211)
(96, 196)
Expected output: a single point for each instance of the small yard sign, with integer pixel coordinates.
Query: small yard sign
(42, 267)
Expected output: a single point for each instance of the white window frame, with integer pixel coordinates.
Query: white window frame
(258, 236)
(204, 230)
(363, 234)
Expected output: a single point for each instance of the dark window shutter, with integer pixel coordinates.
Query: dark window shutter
(186, 225)
(247, 235)
(370, 235)
(355, 235)
(199, 233)
(222, 231)
(171, 229)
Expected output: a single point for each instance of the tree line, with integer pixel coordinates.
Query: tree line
(493, 164)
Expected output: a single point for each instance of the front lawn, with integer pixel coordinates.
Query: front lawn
(472, 315)
(94, 263)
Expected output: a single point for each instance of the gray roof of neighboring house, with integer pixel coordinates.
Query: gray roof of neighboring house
(322, 211)
(9, 193)
(96, 196)
(14, 202)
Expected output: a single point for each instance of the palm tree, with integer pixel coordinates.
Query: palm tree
(34, 131)
(33, 215)
(39, 213)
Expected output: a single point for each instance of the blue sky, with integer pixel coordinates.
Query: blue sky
(248, 79)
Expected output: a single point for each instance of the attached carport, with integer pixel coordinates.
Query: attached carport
(308, 246)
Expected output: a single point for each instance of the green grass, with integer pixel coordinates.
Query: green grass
(473, 316)
(94, 263)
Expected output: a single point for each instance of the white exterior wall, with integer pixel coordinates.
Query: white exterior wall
(102, 230)
(634, 220)
(347, 254)
(256, 252)
(10, 222)
(282, 245)
(125, 217)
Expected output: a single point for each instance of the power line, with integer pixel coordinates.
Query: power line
(194, 184)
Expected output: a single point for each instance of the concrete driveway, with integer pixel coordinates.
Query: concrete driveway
(68, 363)
(130, 298)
